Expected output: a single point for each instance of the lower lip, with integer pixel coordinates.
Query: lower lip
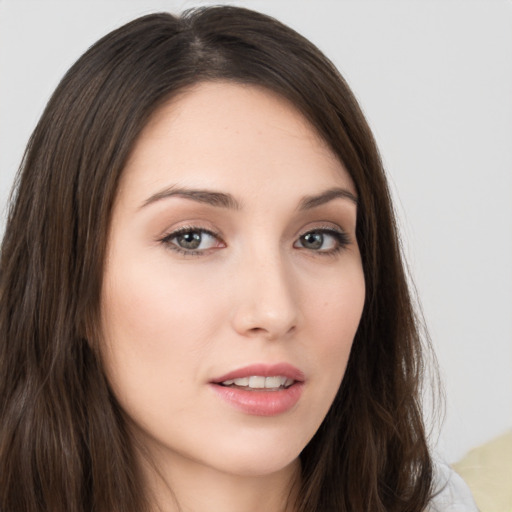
(260, 402)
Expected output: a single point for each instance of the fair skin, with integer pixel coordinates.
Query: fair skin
(232, 249)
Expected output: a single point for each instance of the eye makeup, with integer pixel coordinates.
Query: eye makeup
(324, 241)
(193, 240)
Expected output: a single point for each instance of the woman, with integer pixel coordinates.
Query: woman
(203, 305)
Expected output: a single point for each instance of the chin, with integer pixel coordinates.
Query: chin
(259, 466)
(258, 456)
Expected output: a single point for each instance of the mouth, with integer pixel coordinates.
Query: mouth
(259, 383)
(261, 390)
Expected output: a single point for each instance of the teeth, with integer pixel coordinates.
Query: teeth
(256, 382)
(274, 382)
(259, 382)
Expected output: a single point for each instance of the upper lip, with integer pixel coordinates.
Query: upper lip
(263, 370)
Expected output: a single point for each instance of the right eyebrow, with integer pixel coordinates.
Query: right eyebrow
(211, 197)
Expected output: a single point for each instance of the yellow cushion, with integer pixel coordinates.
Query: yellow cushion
(488, 472)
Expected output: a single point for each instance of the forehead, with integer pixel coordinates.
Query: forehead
(224, 134)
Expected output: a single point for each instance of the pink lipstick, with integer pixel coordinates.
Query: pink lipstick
(261, 390)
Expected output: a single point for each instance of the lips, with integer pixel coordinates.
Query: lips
(261, 390)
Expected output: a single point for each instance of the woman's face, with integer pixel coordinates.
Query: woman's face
(233, 284)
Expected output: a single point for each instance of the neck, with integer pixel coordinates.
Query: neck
(182, 485)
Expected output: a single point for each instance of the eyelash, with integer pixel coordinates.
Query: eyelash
(341, 238)
(167, 240)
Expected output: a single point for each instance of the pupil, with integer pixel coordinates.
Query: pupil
(313, 240)
(189, 240)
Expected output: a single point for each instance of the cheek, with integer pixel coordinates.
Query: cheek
(155, 326)
(335, 314)
(335, 309)
(151, 305)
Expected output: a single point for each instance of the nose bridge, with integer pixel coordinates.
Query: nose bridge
(267, 304)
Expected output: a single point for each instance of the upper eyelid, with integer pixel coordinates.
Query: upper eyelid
(325, 226)
(168, 235)
(327, 230)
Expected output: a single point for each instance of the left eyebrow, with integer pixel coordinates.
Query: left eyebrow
(309, 202)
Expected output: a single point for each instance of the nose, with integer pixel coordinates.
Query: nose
(266, 304)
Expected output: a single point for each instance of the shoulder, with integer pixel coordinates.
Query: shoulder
(451, 493)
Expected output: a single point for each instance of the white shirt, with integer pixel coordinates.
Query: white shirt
(452, 493)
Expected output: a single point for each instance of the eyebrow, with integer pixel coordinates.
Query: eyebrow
(223, 200)
(309, 202)
(210, 197)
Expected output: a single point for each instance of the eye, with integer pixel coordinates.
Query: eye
(327, 241)
(192, 240)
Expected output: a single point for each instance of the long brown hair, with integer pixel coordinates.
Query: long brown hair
(64, 445)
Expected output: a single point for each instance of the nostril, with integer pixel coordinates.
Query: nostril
(270, 333)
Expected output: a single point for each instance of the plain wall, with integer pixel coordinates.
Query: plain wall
(435, 80)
